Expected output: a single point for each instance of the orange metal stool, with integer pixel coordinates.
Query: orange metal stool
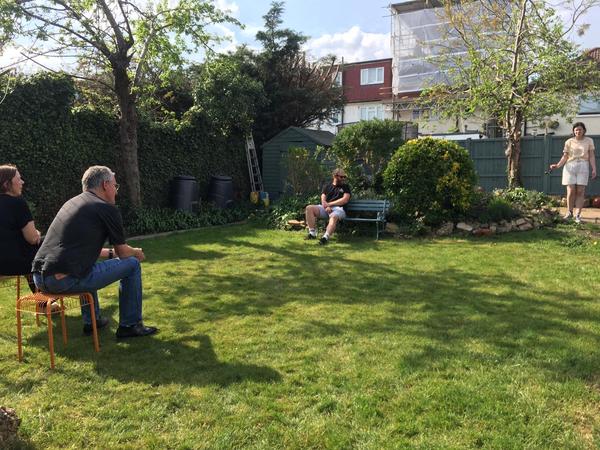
(46, 304)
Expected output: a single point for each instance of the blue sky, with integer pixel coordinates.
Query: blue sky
(354, 29)
(357, 30)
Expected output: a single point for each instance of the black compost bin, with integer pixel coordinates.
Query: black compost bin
(220, 191)
(184, 192)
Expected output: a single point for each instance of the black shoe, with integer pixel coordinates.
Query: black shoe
(323, 241)
(309, 237)
(100, 323)
(136, 330)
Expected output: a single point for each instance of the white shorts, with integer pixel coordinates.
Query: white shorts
(576, 172)
(337, 211)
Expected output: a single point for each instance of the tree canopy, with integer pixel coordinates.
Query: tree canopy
(293, 90)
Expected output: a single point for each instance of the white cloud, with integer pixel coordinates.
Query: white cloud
(251, 30)
(353, 45)
(228, 45)
(228, 7)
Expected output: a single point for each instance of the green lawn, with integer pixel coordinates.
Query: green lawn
(268, 341)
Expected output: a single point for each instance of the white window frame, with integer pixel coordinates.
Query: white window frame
(338, 79)
(336, 117)
(372, 75)
(371, 112)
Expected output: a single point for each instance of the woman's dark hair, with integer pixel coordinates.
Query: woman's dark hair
(7, 173)
(579, 124)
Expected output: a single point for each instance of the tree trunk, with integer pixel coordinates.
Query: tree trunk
(513, 150)
(128, 128)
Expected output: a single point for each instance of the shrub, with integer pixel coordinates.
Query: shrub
(290, 207)
(305, 174)
(364, 149)
(157, 220)
(486, 207)
(524, 199)
(431, 179)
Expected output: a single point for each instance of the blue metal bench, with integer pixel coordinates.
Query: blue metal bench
(376, 208)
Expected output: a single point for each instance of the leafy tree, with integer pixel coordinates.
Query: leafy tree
(364, 149)
(119, 40)
(512, 61)
(227, 95)
(299, 92)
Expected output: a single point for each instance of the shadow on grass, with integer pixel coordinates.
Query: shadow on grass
(509, 317)
(152, 360)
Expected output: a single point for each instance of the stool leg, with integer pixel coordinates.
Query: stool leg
(37, 313)
(50, 335)
(90, 301)
(19, 336)
(63, 324)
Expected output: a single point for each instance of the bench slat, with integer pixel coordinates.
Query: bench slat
(381, 207)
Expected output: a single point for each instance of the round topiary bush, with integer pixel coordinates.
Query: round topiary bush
(431, 179)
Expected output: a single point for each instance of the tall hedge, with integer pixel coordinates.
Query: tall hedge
(53, 144)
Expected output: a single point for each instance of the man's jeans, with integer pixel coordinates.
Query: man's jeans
(128, 270)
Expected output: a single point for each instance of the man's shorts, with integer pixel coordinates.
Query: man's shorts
(576, 172)
(337, 211)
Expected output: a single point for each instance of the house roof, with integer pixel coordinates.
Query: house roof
(370, 61)
(414, 5)
(321, 137)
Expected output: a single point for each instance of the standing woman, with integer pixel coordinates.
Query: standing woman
(19, 239)
(578, 155)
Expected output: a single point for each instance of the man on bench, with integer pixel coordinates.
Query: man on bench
(333, 198)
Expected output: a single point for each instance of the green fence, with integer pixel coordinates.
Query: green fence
(537, 153)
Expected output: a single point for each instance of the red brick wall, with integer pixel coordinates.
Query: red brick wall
(355, 92)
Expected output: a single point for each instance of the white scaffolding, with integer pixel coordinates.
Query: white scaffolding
(416, 27)
(419, 35)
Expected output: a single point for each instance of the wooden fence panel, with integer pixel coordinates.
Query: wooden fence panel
(537, 153)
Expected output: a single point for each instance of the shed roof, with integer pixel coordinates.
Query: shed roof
(321, 137)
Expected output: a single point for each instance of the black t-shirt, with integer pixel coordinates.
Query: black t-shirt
(77, 234)
(335, 192)
(15, 252)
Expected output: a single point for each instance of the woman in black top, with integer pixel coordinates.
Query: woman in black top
(19, 239)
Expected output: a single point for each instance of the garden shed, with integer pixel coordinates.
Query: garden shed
(275, 151)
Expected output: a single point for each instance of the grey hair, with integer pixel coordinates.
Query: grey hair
(94, 177)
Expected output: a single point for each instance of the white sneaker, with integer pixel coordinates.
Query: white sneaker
(577, 218)
(568, 215)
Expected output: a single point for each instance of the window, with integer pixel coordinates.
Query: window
(371, 76)
(424, 114)
(337, 81)
(336, 117)
(371, 112)
(590, 106)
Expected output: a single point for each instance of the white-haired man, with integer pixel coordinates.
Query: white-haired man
(67, 260)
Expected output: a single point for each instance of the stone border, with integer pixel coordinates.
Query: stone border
(538, 218)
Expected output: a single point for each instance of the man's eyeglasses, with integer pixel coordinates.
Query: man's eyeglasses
(116, 185)
(342, 176)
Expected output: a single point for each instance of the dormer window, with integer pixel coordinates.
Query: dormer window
(371, 76)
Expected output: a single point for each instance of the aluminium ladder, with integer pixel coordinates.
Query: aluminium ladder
(253, 169)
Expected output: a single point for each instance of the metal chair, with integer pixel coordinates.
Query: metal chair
(47, 304)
